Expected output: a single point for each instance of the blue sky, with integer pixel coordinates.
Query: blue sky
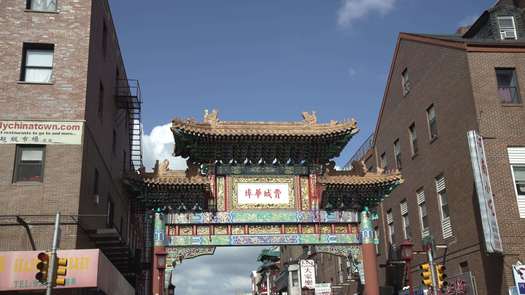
(269, 60)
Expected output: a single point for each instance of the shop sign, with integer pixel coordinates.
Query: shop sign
(307, 274)
(18, 269)
(323, 289)
(41, 132)
(487, 208)
(519, 278)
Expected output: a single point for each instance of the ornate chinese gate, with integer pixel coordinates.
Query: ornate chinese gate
(263, 183)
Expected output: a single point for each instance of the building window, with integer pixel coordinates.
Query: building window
(104, 38)
(406, 221)
(508, 86)
(397, 154)
(41, 5)
(405, 82)
(443, 198)
(37, 63)
(423, 214)
(383, 161)
(413, 138)
(507, 28)
(29, 164)
(110, 213)
(391, 228)
(518, 173)
(114, 142)
(441, 190)
(96, 178)
(101, 95)
(124, 162)
(432, 123)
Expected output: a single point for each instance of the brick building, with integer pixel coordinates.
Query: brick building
(440, 87)
(62, 71)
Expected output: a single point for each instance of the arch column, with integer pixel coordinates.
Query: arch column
(369, 254)
(159, 238)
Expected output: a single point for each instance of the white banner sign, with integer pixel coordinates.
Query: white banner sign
(519, 278)
(323, 289)
(307, 273)
(486, 201)
(263, 193)
(41, 132)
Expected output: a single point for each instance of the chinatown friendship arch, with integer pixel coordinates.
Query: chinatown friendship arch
(263, 183)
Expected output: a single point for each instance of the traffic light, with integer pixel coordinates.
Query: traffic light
(43, 267)
(441, 276)
(426, 274)
(61, 271)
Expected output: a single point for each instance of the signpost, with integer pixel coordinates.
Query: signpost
(307, 274)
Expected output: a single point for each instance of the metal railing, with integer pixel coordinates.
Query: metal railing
(361, 151)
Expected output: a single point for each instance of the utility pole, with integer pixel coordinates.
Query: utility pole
(432, 270)
(52, 264)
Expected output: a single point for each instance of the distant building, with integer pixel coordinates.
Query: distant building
(68, 131)
(439, 88)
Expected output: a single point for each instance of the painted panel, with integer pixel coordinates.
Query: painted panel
(262, 240)
(263, 216)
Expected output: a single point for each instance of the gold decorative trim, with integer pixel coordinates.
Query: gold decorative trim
(305, 192)
(220, 194)
(232, 189)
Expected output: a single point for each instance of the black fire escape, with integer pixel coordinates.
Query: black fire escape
(124, 253)
(129, 99)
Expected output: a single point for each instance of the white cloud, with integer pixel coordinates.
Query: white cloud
(158, 145)
(226, 272)
(352, 10)
(352, 72)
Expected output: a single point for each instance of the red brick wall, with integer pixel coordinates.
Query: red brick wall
(76, 31)
(502, 126)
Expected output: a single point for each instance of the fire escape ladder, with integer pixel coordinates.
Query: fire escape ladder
(129, 99)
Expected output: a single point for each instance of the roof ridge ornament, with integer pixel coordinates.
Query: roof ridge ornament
(162, 168)
(310, 118)
(211, 118)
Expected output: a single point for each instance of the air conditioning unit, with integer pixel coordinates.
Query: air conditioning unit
(511, 34)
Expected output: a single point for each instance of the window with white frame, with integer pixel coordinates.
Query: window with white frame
(405, 82)
(441, 190)
(423, 214)
(405, 219)
(517, 164)
(507, 28)
(41, 5)
(37, 63)
(443, 198)
(29, 166)
(397, 154)
(391, 228)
